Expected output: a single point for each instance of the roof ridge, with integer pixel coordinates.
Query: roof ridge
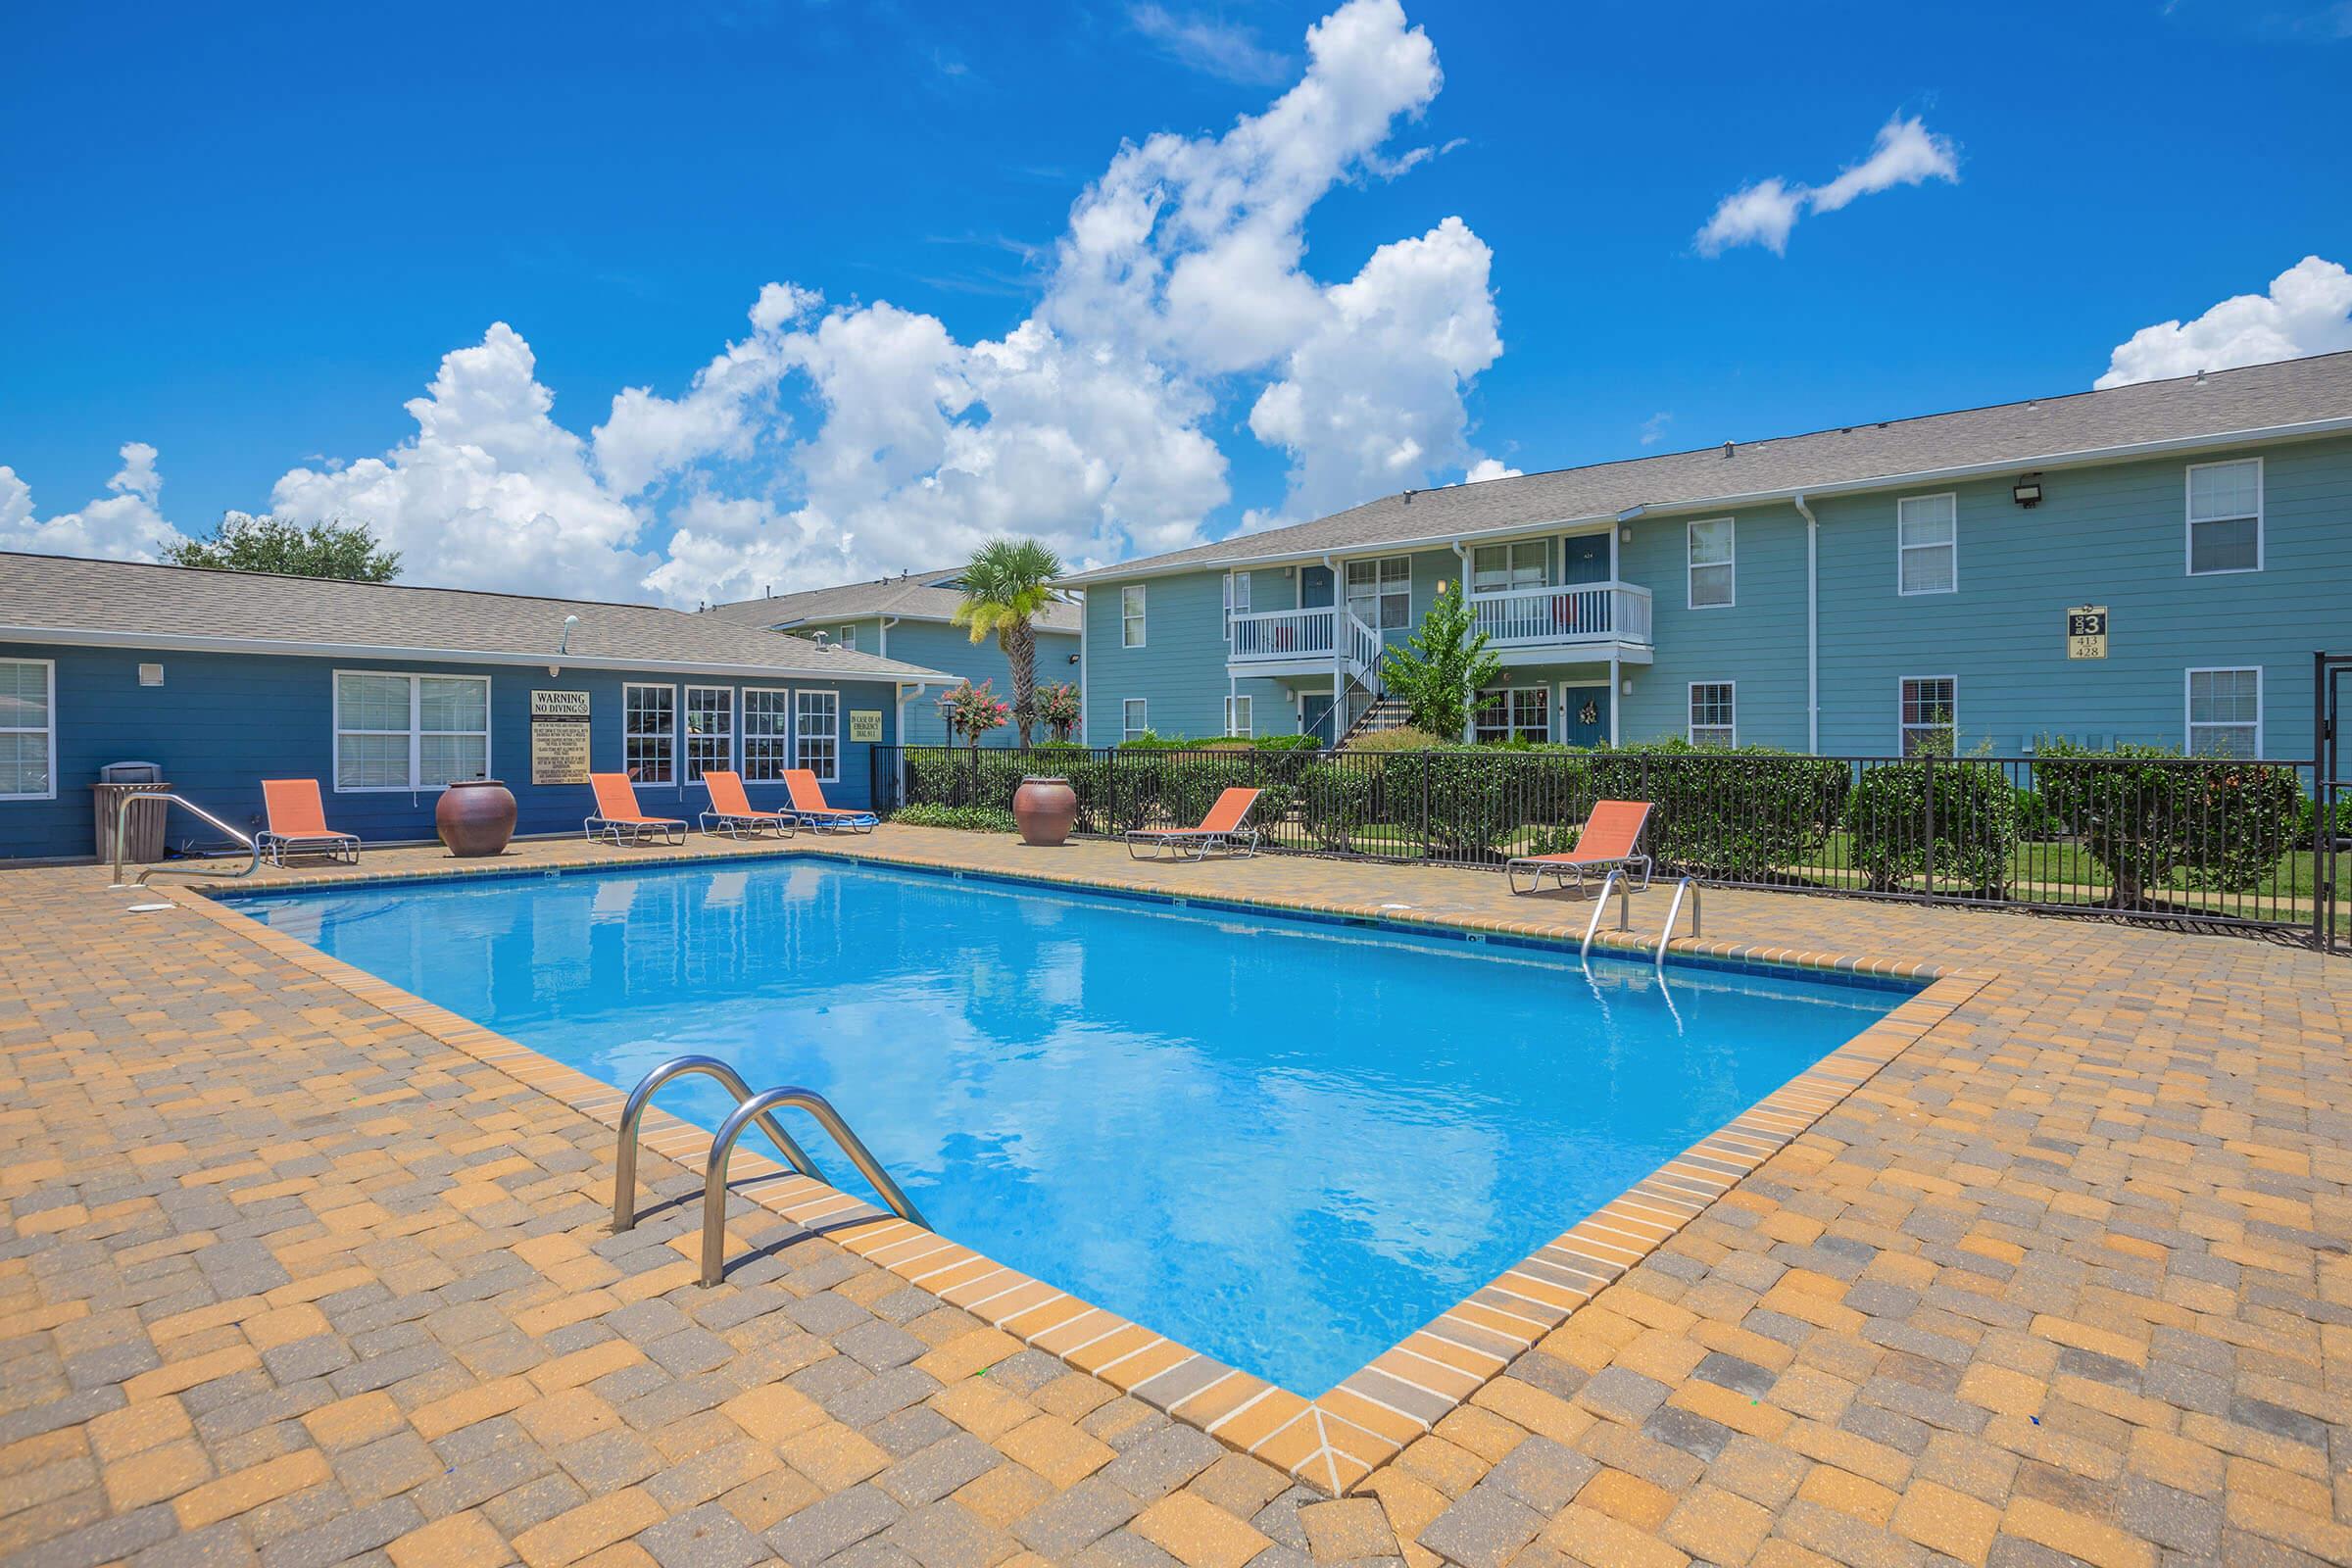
(347, 582)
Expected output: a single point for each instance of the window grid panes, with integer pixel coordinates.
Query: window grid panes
(2225, 713)
(1134, 718)
(2224, 516)
(1711, 546)
(410, 732)
(649, 733)
(1931, 714)
(1379, 593)
(1238, 716)
(25, 726)
(767, 733)
(1237, 599)
(849, 638)
(1498, 568)
(1714, 713)
(709, 730)
(1927, 544)
(1130, 616)
(1513, 714)
(817, 733)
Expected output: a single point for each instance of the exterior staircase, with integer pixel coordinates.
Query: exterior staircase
(1381, 713)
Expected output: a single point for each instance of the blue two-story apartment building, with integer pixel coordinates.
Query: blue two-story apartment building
(2151, 564)
(385, 694)
(912, 617)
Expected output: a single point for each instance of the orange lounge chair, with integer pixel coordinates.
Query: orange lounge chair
(298, 823)
(617, 818)
(731, 810)
(1225, 828)
(808, 805)
(1612, 841)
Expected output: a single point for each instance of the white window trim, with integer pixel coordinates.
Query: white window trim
(1690, 724)
(1902, 551)
(1511, 547)
(686, 736)
(2188, 524)
(49, 670)
(742, 736)
(1902, 729)
(417, 731)
(677, 762)
(1128, 732)
(1237, 599)
(1509, 698)
(2188, 722)
(799, 734)
(1690, 567)
(849, 638)
(1235, 707)
(1380, 590)
(1136, 618)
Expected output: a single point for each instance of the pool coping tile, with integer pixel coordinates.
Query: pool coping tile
(1330, 1443)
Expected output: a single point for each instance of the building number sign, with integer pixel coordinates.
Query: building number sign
(2087, 632)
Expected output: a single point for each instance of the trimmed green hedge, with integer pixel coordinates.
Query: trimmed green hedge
(1955, 818)
(2145, 816)
(971, 818)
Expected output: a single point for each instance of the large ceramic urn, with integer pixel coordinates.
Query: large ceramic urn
(475, 818)
(1045, 810)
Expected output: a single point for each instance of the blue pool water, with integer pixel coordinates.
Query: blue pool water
(1284, 1143)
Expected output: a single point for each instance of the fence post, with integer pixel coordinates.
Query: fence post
(1110, 790)
(1928, 826)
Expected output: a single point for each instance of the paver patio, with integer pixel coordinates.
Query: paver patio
(285, 1278)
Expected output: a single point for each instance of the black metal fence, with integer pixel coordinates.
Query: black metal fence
(2212, 841)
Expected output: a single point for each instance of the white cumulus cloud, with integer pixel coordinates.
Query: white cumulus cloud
(126, 524)
(2307, 310)
(1905, 153)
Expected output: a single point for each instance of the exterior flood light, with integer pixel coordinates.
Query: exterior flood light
(2026, 492)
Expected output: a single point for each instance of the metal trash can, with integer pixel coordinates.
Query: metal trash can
(143, 840)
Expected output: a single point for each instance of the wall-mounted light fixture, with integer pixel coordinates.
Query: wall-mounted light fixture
(2026, 492)
(1073, 659)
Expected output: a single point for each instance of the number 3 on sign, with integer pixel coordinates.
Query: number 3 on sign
(2087, 632)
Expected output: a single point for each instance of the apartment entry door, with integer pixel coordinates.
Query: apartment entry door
(1584, 713)
(1314, 587)
(1583, 558)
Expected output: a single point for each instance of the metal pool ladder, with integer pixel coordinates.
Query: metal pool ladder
(1614, 882)
(750, 1110)
(1687, 885)
(122, 823)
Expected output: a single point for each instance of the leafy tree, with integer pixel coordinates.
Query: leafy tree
(1442, 664)
(246, 543)
(1005, 584)
(1057, 706)
(972, 710)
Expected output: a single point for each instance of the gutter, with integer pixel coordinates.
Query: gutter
(1812, 627)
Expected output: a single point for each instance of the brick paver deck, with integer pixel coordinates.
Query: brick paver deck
(285, 1277)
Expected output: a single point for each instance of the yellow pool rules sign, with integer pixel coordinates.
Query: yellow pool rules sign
(2087, 632)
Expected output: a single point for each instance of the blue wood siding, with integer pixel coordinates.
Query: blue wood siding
(1180, 671)
(951, 651)
(1757, 641)
(223, 723)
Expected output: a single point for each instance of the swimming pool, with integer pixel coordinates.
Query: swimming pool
(1287, 1144)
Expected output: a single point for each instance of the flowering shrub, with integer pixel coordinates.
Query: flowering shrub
(1057, 707)
(971, 712)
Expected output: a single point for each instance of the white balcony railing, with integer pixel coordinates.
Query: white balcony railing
(1273, 636)
(1582, 612)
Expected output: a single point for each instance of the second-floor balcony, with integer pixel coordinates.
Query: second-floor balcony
(1573, 615)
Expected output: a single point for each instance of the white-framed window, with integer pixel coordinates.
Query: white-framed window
(1379, 593)
(709, 730)
(849, 638)
(1135, 718)
(1130, 616)
(1237, 599)
(2225, 713)
(1512, 714)
(1498, 568)
(28, 729)
(2224, 516)
(767, 733)
(1926, 544)
(649, 733)
(410, 732)
(1931, 714)
(1238, 716)
(1710, 546)
(817, 733)
(1714, 712)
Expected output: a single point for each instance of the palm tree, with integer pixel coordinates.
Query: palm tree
(1006, 582)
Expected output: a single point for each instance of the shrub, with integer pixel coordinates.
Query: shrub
(1746, 813)
(2036, 822)
(1403, 738)
(1955, 818)
(972, 818)
(2145, 814)
(1335, 802)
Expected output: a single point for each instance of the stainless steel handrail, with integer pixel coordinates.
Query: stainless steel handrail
(122, 825)
(756, 1108)
(1687, 885)
(632, 1112)
(1625, 907)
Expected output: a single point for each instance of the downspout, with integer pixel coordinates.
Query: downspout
(1469, 699)
(1812, 627)
(1085, 690)
(1339, 649)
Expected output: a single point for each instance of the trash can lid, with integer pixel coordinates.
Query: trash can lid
(132, 773)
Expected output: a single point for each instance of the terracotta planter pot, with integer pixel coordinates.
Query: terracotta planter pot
(1045, 810)
(475, 818)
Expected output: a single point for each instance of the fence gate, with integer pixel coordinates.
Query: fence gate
(2331, 794)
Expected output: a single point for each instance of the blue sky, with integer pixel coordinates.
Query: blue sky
(247, 239)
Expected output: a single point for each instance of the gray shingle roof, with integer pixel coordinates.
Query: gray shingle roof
(2042, 430)
(128, 599)
(916, 595)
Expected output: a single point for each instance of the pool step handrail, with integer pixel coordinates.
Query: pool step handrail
(632, 1114)
(1689, 885)
(756, 1110)
(123, 826)
(1615, 882)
